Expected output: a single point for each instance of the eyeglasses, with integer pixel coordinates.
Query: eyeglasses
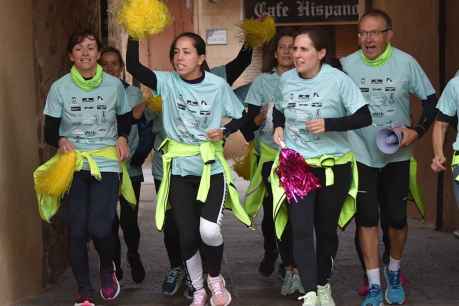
(364, 34)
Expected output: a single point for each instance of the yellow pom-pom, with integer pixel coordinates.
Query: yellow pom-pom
(154, 103)
(142, 18)
(258, 32)
(242, 165)
(55, 178)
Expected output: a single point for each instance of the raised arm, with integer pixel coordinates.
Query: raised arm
(237, 66)
(140, 72)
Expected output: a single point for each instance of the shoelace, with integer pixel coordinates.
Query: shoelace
(199, 297)
(373, 291)
(216, 286)
(394, 279)
(172, 275)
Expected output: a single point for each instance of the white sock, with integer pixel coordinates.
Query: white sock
(374, 277)
(394, 264)
(194, 268)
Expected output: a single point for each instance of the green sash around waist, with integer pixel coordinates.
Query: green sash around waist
(48, 205)
(209, 151)
(327, 162)
(256, 190)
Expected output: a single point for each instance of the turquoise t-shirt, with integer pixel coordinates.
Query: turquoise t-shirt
(191, 110)
(387, 89)
(219, 71)
(448, 103)
(134, 96)
(261, 93)
(88, 119)
(330, 94)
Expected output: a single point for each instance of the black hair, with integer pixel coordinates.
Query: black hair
(198, 43)
(319, 40)
(79, 36)
(117, 52)
(381, 14)
(271, 48)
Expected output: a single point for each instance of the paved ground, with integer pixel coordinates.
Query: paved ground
(431, 264)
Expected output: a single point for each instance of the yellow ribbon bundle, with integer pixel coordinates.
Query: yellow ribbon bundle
(154, 103)
(142, 18)
(258, 32)
(243, 164)
(56, 179)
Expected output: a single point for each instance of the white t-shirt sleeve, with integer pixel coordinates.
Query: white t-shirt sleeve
(351, 95)
(447, 104)
(419, 82)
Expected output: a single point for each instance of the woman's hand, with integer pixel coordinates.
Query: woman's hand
(137, 111)
(316, 126)
(65, 145)
(278, 137)
(261, 117)
(215, 134)
(438, 163)
(122, 148)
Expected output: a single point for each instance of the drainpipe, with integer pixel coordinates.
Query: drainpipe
(442, 80)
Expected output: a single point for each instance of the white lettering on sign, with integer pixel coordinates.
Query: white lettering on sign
(278, 10)
(311, 9)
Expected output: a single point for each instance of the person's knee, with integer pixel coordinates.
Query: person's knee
(210, 232)
(100, 231)
(398, 222)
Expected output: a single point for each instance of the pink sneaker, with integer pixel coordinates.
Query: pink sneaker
(110, 287)
(363, 289)
(220, 296)
(199, 297)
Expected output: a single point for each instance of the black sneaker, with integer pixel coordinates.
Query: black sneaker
(84, 301)
(137, 269)
(267, 265)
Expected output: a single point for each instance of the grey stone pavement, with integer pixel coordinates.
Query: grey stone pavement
(431, 263)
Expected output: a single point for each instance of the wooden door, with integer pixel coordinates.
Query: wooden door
(154, 52)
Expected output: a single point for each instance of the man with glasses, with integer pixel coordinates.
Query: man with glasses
(387, 77)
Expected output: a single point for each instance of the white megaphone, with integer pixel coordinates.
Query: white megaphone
(388, 140)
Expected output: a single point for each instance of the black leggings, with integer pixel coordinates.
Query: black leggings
(319, 211)
(271, 245)
(199, 223)
(129, 223)
(171, 236)
(89, 210)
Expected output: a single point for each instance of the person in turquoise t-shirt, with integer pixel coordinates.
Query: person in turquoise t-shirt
(314, 106)
(112, 63)
(176, 275)
(87, 110)
(387, 78)
(448, 107)
(260, 102)
(194, 102)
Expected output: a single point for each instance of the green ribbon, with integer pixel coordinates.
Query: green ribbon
(381, 59)
(87, 85)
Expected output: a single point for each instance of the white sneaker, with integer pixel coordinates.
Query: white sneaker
(325, 296)
(220, 295)
(199, 297)
(310, 299)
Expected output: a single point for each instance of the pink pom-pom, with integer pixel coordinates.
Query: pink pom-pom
(295, 175)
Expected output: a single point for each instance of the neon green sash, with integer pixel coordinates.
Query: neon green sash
(256, 190)
(327, 162)
(415, 191)
(380, 60)
(87, 85)
(209, 151)
(455, 162)
(48, 205)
